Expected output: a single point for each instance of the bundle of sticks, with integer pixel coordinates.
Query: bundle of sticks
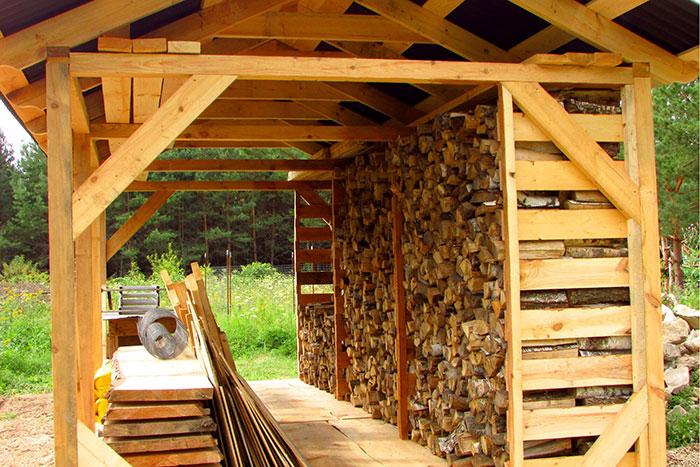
(248, 433)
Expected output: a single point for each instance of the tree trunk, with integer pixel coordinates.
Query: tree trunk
(255, 243)
(272, 236)
(677, 252)
(204, 219)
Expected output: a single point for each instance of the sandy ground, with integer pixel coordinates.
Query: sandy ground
(26, 430)
(26, 434)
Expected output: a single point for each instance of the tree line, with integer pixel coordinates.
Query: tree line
(257, 226)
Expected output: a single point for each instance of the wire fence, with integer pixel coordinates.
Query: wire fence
(286, 269)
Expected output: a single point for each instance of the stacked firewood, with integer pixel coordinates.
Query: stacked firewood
(364, 238)
(317, 355)
(453, 252)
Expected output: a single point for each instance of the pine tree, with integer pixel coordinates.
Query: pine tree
(676, 132)
(7, 174)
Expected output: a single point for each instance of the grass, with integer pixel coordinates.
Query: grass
(270, 366)
(7, 416)
(684, 429)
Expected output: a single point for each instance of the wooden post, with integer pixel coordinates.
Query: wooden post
(61, 256)
(297, 286)
(643, 116)
(512, 277)
(84, 308)
(636, 270)
(400, 315)
(341, 357)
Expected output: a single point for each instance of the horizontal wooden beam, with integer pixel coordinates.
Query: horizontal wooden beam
(314, 234)
(241, 165)
(278, 90)
(312, 278)
(338, 69)
(232, 132)
(573, 323)
(251, 109)
(600, 127)
(315, 26)
(319, 256)
(304, 299)
(565, 224)
(229, 185)
(560, 373)
(573, 273)
(568, 422)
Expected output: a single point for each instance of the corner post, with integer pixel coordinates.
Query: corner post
(644, 126)
(61, 256)
(339, 332)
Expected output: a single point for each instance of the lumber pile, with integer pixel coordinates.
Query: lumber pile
(159, 410)
(366, 264)
(453, 252)
(247, 432)
(317, 354)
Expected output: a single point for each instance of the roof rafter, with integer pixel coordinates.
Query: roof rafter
(72, 28)
(603, 33)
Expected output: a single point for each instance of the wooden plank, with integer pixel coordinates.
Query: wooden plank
(231, 131)
(314, 256)
(600, 127)
(251, 109)
(439, 30)
(93, 451)
(322, 27)
(337, 113)
(146, 91)
(139, 428)
(588, 156)
(155, 410)
(576, 322)
(74, 27)
(400, 316)
(649, 226)
(612, 445)
(184, 47)
(61, 258)
(227, 185)
(309, 298)
(568, 422)
(315, 211)
(242, 165)
(563, 224)
(134, 155)
(116, 91)
(308, 278)
(275, 90)
(143, 377)
(514, 381)
(204, 456)
(628, 460)
(573, 273)
(577, 59)
(577, 372)
(136, 221)
(167, 442)
(314, 234)
(605, 34)
(85, 64)
(553, 176)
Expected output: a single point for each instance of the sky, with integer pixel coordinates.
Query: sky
(15, 134)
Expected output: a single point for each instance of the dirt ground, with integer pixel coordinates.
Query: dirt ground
(26, 434)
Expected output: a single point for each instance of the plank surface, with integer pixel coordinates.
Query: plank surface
(569, 422)
(309, 278)
(304, 299)
(564, 224)
(553, 176)
(93, 451)
(167, 442)
(143, 377)
(314, 256)
(629, 460)
(310, 234)
(557, 373)
(576, 322)
(155, 410)
(576, 273)
(174, 458)
(140, 428)
(600, 127)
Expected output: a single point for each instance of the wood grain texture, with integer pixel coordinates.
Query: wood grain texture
(565, 224)
(553, 176)
(572, 273)
(557, 373)
(600, 127)
(568, 422)
(568, 323)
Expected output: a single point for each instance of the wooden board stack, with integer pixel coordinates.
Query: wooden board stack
(159, 410)
(366, 263)
(317, 356)
(248, 433)
(450, 198)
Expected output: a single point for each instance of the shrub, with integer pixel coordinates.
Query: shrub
(258, 271)
(22, 270)
(168, 261)
(682, 429)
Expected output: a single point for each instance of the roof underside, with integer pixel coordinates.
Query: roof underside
(413, 29)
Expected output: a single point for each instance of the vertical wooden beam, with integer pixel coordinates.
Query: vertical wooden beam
(341, 357)
(650, 262)
(61, 256)
(400, 315)
(83, 292)
(636, 270)
(512, 277)
(297, 286)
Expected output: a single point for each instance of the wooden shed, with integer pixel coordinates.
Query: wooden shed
(493, 251)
